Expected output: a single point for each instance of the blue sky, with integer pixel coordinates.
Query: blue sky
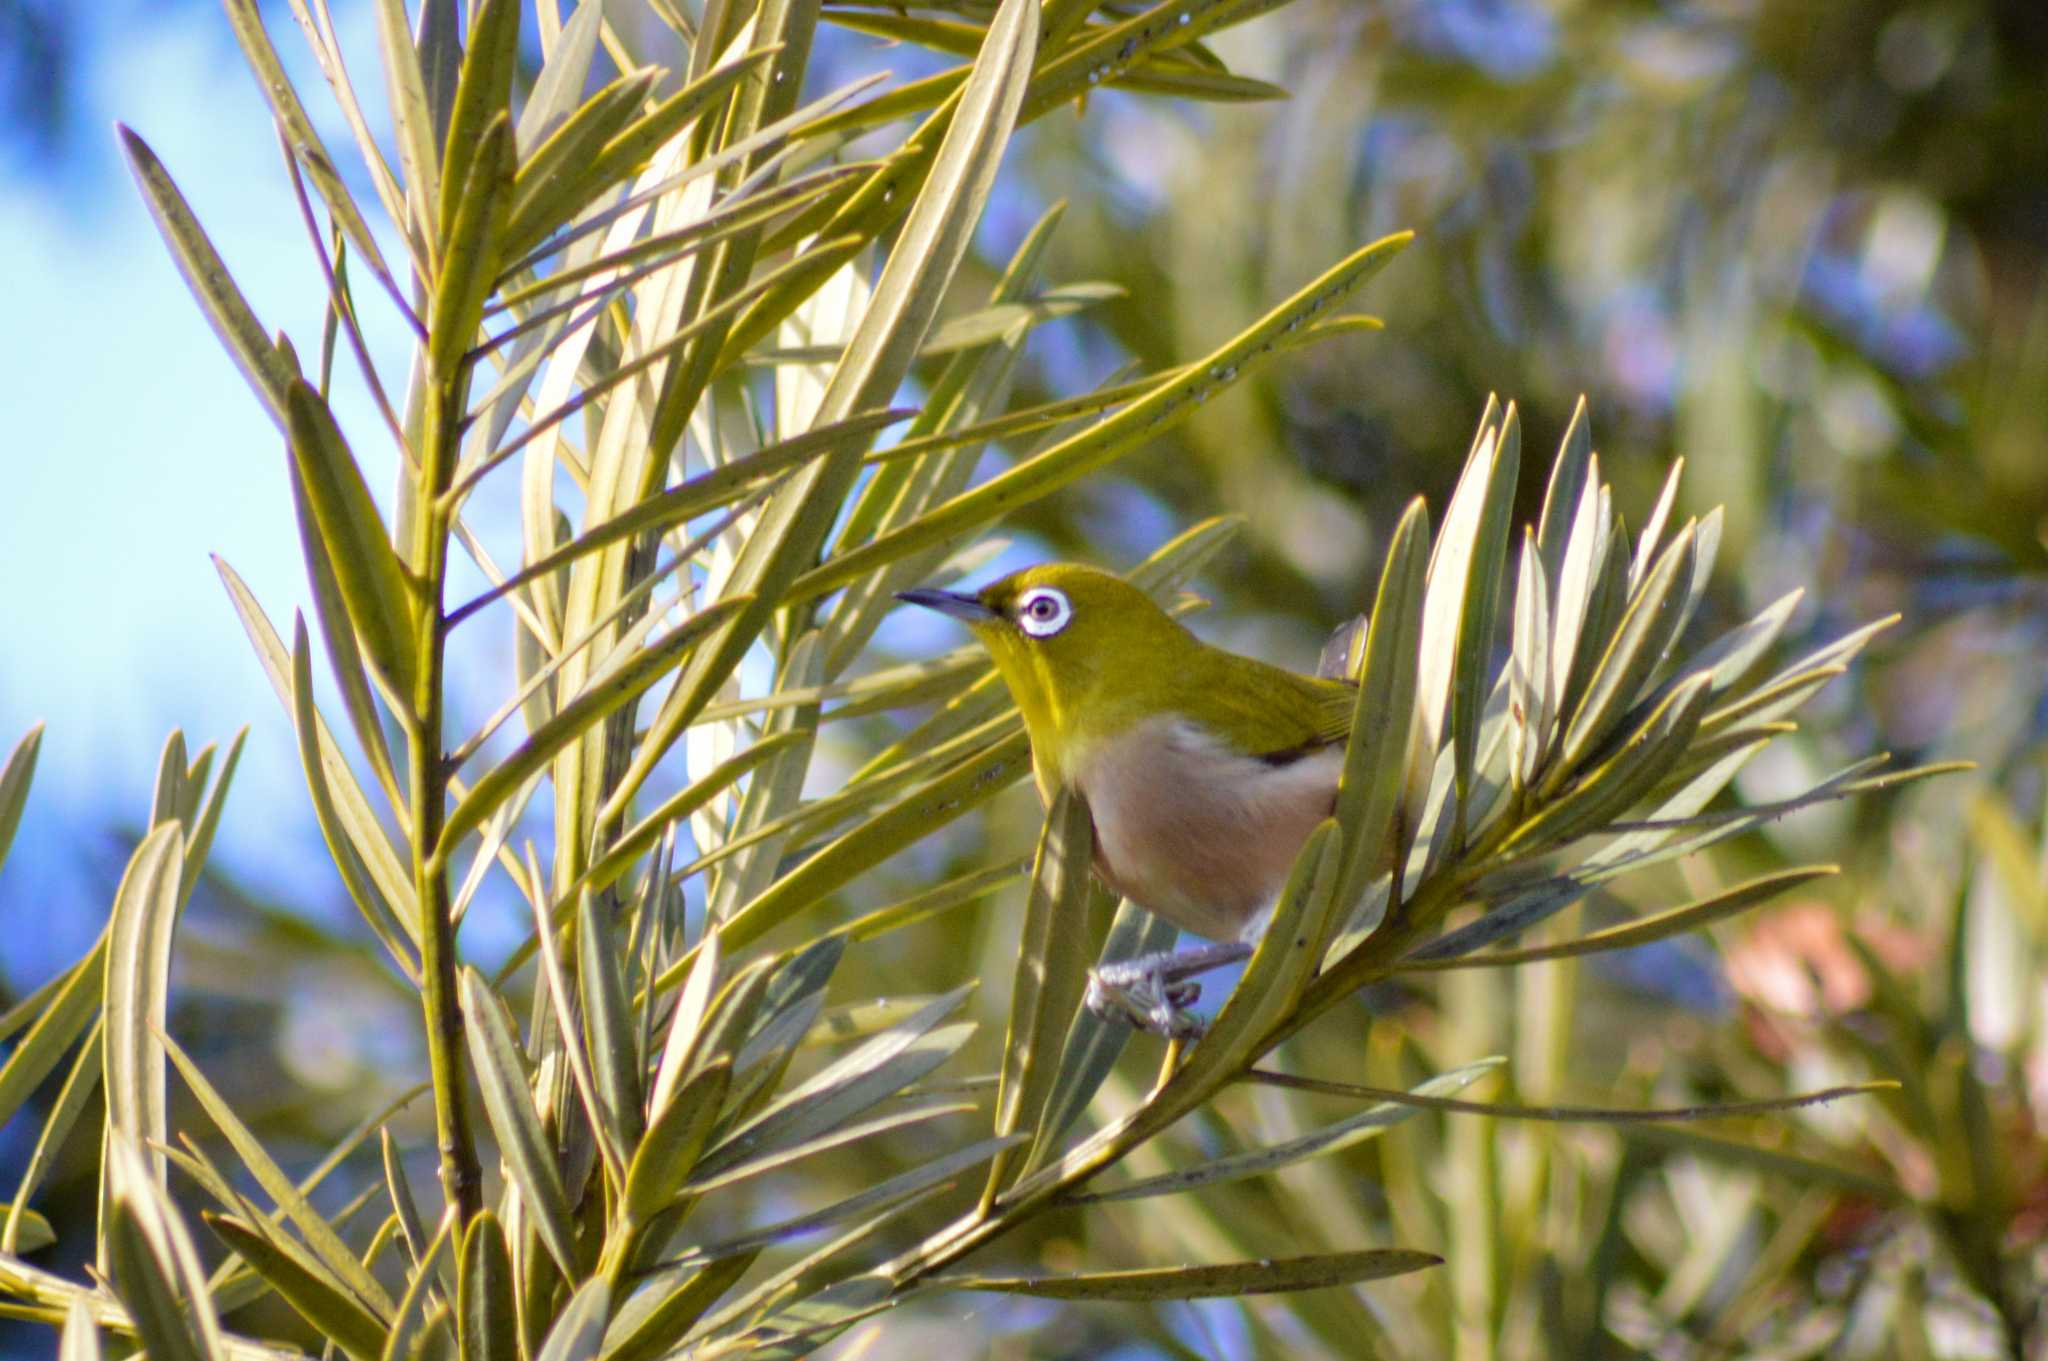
(137, 452)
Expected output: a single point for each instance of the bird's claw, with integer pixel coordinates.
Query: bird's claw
(1145, 999)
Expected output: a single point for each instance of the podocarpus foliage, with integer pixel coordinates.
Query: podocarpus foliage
(677, 313)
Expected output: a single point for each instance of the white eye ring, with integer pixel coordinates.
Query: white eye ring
(1043, 611)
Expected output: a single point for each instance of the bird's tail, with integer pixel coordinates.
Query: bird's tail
(1344, 651)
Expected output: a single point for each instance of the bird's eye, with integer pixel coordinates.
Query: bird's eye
(1043, 611)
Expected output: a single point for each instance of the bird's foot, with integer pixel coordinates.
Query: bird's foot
(1153, 992)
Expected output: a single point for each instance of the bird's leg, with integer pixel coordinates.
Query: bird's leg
(1153, 992)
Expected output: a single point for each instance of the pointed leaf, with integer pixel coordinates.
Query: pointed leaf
(1368, 1124)
(508, 1102)
(1691, 917)
(655, 1318)
(1054, 953)
(245, 338)
(476, 240)
(154, 1267)
(15, 778)
(138, 989)
(579, 1328)
(334, 1254)
(486, 1326)
(1210, 1282)
(1094, 1044)
(373, 584)
(1376, 753)
(336, 1314)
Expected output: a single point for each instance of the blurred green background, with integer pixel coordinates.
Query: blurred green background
(1799, 244)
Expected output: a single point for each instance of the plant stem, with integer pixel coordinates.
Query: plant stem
(461, 1176)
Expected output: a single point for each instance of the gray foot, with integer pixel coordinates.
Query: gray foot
(1153, 992)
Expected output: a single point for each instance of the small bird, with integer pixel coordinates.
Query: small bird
(1204, 771)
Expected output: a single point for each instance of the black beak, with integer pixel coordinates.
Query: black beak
(963, 607)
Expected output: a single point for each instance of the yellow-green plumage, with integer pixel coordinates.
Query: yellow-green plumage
(1204, 770)
(1123, 659)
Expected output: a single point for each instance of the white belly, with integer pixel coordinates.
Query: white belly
(1198, 833)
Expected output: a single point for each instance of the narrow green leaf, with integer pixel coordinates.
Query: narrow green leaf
(63, 1018)
(852, 1084)
(1569, 1115)
(1529, 672)
(608, 1019)
(895, 1191)
(624, 681)
(1376, 752)
(1164, 406)
(25, 1228)
(687, 1024)
(137, 996)
(579, 1328)
(246, 18)
(971, 887)
(81, 1338)
(1157, 78)
(15, 778)
(345, 842)
(1653, 528)
(775, 788)
(245, 338)
(1265, 1277)
(568, 1041)
(412, 118)
(655, 1318)
(1333, 1138)
(1638, 647)
(423, 1326)
(1094, 1044)
(529, 1158)
(345, 659)
(665, 1158)
(486, 1325)
(1625, 777)
(152, 1262)
(483, 91)
(1804, 1171)
(969, 782)
(327, 1245)
(633, 147)
(1281, 966)
(373, 584)
(1053, 955)
(680, 805)
(392, 877)
(1561, 496)
(562, 77)
(707, 491)
(1581, 559)
(167, 795)
(475, 245)
(784, 1157)
(1457, 568)
(1478, 620)
(34, 1231)
(336, 1314)
(1690, 917)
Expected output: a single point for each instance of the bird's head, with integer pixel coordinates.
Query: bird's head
(1084, 652)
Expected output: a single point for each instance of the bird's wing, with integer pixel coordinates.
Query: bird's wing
(1273, 713)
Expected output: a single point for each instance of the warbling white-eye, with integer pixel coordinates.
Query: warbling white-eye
(1204, 771)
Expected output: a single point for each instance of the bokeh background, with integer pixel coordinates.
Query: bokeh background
(1799, 244)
